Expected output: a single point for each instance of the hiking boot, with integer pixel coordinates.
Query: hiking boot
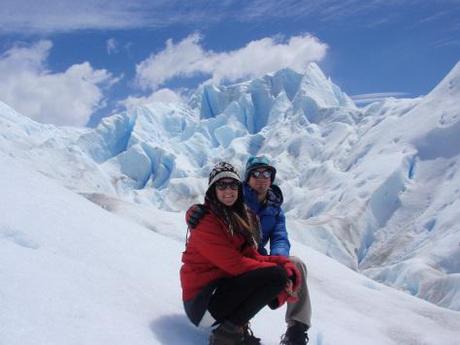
(296, 334)
(226, 334)
(248, 336)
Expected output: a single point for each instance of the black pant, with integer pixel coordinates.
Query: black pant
(239, 298)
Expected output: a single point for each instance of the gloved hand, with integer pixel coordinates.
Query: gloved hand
(194, 215)
(278, 259)
(282, 298)
(294, 275)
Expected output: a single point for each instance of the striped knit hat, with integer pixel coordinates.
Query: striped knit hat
(222, 170)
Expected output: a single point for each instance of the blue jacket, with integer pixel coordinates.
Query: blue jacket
(272, 220)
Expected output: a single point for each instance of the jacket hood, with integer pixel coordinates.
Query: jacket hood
(275, 195)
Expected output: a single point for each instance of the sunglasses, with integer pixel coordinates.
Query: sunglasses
(261, 174)
(222, 185)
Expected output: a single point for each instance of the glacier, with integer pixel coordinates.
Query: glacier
(95, 269)
(375, 188)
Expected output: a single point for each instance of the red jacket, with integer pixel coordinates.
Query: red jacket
(213, 253)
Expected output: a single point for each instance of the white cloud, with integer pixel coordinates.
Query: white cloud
(164, 95)
(67, 98)
(111, 46)
(366, 98)
(188, 58)
(31, 16)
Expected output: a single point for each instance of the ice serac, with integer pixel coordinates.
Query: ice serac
(110, 137)
(213, 101)
(311, 94)
(152, 144)
(285, 80)
(136, 165)
(162, 165)
(316, 93)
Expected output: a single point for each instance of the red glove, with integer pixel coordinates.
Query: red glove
(282, 298)
(294, 274)
(278, 259)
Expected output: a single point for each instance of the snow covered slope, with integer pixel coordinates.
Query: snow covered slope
(73, 273)
(374, 188)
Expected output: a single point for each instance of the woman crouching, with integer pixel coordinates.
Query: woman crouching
(225, 282)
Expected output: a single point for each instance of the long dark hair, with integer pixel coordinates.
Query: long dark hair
(237, 216)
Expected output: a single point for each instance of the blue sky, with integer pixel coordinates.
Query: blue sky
(70, 63)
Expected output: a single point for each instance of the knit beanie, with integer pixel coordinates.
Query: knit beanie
(222, 170)
(258, 162)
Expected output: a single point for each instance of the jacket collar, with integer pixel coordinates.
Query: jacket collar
(274, 196)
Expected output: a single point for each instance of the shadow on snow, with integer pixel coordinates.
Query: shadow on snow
(177, 329)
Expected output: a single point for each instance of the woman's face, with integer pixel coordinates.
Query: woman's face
(227, 191)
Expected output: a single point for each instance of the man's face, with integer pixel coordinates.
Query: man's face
(260, 180)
